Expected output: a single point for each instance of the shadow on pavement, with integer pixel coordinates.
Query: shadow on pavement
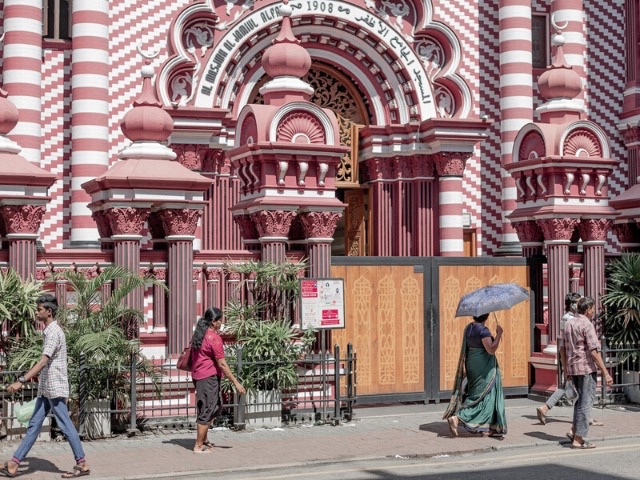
(35, 464)
(549, 471)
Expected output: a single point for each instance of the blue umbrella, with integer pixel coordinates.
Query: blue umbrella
(500, 296)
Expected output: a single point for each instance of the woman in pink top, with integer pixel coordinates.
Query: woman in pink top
(207, 368)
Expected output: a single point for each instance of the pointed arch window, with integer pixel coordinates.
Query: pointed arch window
(56, 20)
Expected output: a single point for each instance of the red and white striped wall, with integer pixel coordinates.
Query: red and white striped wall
(516, 102)
(90, 110)
(22, 75)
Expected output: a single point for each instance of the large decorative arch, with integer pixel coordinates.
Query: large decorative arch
(374, 41)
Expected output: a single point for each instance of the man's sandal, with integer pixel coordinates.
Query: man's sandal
(4, 471)
(77, 471)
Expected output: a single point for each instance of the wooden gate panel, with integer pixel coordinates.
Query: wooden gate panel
(513, 353)
(384, 322)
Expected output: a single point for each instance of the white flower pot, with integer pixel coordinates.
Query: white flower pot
(263, 409)
(632, 392)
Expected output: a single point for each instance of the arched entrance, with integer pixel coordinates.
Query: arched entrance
(335, 91)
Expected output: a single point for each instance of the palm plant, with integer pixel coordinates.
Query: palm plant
(17, 308)
(622, 301)
(262, 324)
(95, 335)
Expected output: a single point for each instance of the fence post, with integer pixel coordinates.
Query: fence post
(238, 411)
(605, 359)
(82, 396)
(134, 413)
(351, 387)
(336, 374)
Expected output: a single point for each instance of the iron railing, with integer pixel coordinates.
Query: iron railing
(326, 392)
(623, 363)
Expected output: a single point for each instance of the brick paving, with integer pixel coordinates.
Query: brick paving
(381, 431)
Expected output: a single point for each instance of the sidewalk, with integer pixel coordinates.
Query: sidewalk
(406, 430)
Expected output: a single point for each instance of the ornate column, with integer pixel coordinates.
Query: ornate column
(248, 232)
(450, 167)
(422, 201)
(179, 226)
(515, 112)
(159, 301)
(273, 227)
(22, 71)
(21, 223)
(530, 236)
(379, 172)
(594, 235)
(127, 224)
(212, 288)
(557, 234)
(90, 115)
(319, 228)
(575, 271)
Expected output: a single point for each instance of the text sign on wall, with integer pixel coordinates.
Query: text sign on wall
(321, 303)
(225, 51)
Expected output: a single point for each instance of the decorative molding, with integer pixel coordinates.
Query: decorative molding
(582, 143)
(300, 127)
(127, 220)
(273, 223)
(176, 221)
(558, 228)
(627, 232)
(594, 229)
(528, 231)
(191, 156)
(22, 218)
(319, 224)
(451, 164)
(247, 227)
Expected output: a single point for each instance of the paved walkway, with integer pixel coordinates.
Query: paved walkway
(381, 431)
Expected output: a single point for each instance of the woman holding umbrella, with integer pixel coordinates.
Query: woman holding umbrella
(478, 403)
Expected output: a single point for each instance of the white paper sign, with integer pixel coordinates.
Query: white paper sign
(321, 303)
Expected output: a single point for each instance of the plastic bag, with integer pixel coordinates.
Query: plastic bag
(569, 390)
(24, 411)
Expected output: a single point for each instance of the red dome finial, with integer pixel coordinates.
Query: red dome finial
(560, 80)
(8, 113)
(147, 120)
(286, 57)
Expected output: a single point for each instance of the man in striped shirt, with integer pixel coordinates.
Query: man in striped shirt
(581, 356)
(53, 391)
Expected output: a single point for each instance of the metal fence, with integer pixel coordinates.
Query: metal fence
(326, 392)
(623, 363)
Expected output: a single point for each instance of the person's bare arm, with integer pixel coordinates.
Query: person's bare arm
(33, 372)
(491, 345)
(222, 363)
(563, 358)
(598, 359)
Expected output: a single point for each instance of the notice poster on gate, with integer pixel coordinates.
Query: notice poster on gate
(321, 303)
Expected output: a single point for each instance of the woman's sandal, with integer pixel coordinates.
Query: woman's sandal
(77, 471)
(584, 445)
(453, 426)
(208, 444)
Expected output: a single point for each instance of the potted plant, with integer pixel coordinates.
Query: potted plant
(95, 326)
(621, 315)
(262, 325)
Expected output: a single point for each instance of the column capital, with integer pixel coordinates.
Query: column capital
(126, 221)
(594, 229)
(529, 231)
(321, 225)
(22, 219)
(179, 222)
(451, 164)
(273, 223)
(558, 229)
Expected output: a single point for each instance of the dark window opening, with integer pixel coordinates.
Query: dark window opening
(56, 20)
(539, 41)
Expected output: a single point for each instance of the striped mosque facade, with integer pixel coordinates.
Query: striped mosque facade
(427, 101)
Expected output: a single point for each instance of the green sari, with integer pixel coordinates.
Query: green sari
(478, 403)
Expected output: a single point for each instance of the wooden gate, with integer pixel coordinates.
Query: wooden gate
(400, 319)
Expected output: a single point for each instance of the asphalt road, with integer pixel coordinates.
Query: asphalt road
(611, 460)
